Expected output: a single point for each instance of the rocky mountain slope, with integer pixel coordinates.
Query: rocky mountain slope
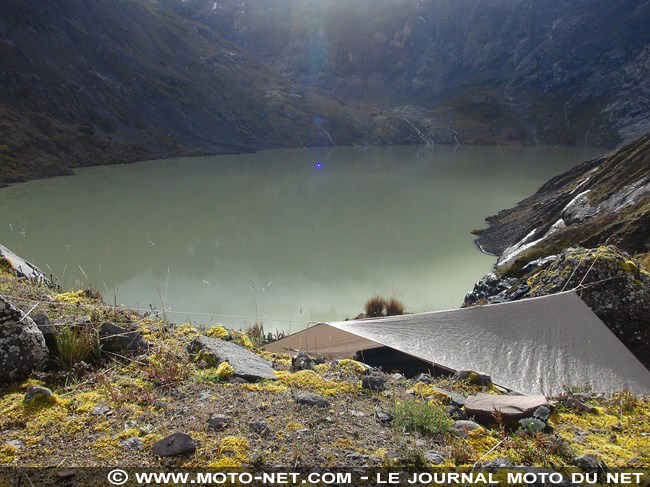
(104, 82)
(603, 205)
(117, 81)
(497, 71)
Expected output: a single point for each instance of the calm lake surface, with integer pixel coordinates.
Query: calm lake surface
(290, 236)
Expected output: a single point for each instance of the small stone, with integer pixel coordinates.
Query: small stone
(204, 396)
(174, 445)
(473, 377)
(382, 415)
(589, 463)
(100, 410)
(238, 380)
(262, 428)
(354, 412)
(160, 404)
(116, 339)
(219, 421)
(455, 399)
(579, 406)
(302, 361)
(133, 443)
(311, 399)
(454, 412)
(16, 444)
(34, 391)
(434, 457)
(497, 464)
(466, 426)
(424, 378)
(66, 474)
(374, 383)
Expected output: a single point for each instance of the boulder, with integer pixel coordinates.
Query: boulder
(22, 345)
(512, 408)
(174, 445)
(22, 267)
(302, 361)
(47, 329)
(374, 383)
(311, 399)
(246, 364)
(116, 339)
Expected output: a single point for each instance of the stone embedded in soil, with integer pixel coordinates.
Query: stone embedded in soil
(246, 364)
(424, 378)
(22, 345)
(34, 391)
(219, 421)
(302, 361)
(454, 412)
(579, 405)
(174, 445)
(374, 383)
(589, 463)
(473, 378)
(100, 410)
(133, 443)
(465, 426)
(497, 464)
(311, 399)
(512, 408)
(434, 457)
(382, 415)
(116, 339)
(456, 399)
(262, 428)
(47, 329)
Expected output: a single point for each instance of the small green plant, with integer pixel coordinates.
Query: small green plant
(76, 344)
(394, 307)
(537, 423)
(375, 306)
(411, 415)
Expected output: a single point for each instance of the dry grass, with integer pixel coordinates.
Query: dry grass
(375, 306)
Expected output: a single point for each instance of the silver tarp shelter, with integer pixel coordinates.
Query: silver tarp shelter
(530, 346)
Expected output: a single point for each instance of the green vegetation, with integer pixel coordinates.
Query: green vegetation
(424, 418)
(76, 344)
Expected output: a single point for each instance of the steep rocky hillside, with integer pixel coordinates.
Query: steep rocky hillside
(116, 81)
(496, 71)
(586, 229)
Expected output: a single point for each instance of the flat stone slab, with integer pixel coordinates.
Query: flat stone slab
(512, 408)
(22, 267)
(246, 364)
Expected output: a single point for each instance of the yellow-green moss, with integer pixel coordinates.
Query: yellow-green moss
(7, 453)
(241, 339)
(308, 379)
(278, 358)
(352, 366)
(322, 368)
(428, 391)
(217, 331)
(72, 297)
(266, 386)
(225, 371)
(187, 331)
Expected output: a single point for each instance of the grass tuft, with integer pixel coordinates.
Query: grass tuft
(375, 306)
(426, 419)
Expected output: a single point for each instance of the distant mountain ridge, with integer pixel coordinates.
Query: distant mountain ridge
(112, 81)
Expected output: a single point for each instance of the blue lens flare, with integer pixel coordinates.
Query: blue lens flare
(318, 165)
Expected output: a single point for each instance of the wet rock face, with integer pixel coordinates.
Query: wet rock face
(612, 283)
(22, 346)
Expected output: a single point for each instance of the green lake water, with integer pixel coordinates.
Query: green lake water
(289, 236)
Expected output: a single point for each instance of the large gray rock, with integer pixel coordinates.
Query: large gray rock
(47, 329)
(246, 364)
(22, 267)
(512, 408)
(22, 346)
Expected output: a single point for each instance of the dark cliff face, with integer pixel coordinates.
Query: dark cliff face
(518, 71)
(116, 81)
